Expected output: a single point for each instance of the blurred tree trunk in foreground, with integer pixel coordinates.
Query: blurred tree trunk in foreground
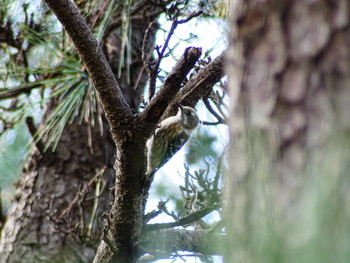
(289, 128)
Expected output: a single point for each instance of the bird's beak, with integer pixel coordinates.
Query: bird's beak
(180, 106)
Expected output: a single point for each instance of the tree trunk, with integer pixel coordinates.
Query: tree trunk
(289, 82)
(54, 202)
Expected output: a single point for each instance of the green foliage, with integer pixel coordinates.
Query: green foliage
(200, 147)
(51, 66)
(13, 154)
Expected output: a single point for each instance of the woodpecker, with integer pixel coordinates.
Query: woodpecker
(171, 134)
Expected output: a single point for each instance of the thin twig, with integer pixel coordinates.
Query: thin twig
(163, 208)
(155, 70)
(153, 73)
(218, 100)
(208, 123)
(212, 111)
(193, 15)
(152, 214)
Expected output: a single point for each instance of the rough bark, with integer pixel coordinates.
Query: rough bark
(289, 67)
(37, 229)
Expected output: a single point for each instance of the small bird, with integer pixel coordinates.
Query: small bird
(171, 134)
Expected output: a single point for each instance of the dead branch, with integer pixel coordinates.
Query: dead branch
(199, 86)
(145, 58)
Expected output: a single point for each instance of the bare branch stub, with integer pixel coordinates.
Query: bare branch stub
(201, 85)
(198, 86)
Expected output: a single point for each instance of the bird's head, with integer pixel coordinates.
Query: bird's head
(189, 117)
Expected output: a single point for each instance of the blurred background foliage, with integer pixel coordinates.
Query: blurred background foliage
(13, 152)
(313, 227)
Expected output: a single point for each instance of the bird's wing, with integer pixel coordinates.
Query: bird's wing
(174, 145)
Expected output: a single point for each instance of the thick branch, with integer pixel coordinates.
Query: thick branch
(182, 221)
(199, 86)
(171, 86)
(172, 240)
(109, 92)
